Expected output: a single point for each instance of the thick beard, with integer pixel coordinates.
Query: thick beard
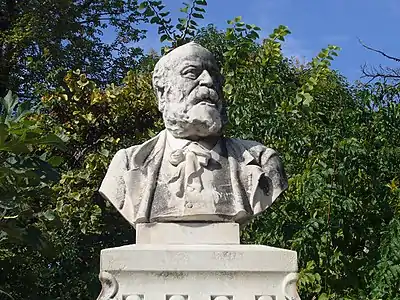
(198, 122)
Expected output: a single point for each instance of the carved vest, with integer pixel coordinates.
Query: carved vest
(213, 203)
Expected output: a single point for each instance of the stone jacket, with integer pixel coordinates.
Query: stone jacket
(256, 174)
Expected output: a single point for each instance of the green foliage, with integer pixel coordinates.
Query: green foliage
(94, 124)
(25, 175)
(340, 149)
(186, 28)
(41, 40)
(339, 144)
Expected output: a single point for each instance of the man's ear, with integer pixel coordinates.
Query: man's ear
(160, 93)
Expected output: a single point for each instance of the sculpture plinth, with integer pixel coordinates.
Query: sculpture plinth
(186, 271)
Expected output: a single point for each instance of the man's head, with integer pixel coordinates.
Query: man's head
(188, 85)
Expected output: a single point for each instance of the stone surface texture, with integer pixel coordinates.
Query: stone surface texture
(191, 172)
(187, 233)
(134, 297)
(186, 191)
(202, 272)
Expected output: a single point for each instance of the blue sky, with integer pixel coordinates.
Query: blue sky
(314, 24)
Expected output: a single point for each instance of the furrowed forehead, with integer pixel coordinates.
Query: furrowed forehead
(190, 53)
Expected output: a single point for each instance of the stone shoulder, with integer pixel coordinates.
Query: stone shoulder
(130, 150)
(256, 149)
(124, 156)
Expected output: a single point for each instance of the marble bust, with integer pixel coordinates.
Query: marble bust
(191, 172)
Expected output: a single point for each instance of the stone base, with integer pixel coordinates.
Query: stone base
(188, 233)
(198, 272)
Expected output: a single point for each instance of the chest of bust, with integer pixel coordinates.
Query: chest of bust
(186, 200)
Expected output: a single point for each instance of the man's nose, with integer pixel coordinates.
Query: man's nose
(206, 79)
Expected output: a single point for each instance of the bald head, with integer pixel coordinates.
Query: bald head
(186, 54)
(190, 50)
(188, 85)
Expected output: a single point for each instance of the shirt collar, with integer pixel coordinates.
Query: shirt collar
(174, 143)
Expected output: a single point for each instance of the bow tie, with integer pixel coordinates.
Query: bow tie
(189, 162)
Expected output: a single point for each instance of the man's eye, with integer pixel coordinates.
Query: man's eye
(191, 73)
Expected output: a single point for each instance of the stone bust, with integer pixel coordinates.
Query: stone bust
(191, 172)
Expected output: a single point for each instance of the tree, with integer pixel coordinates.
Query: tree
(94, 124)
(41, 40)
(381, 72)
(340, 147)
(94, 120)
(339, 144)
(26, 174)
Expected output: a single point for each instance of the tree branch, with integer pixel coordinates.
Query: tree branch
(163, 25)
(87, 3)
(373, 73)
(379, 51)
(92, 20)
(384, 73)
(188, 21)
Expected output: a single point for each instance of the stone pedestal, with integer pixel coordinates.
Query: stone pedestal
(188, 233)
(182, 270)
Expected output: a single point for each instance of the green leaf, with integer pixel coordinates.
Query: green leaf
(253, 35)
(200, 9)
(143, 5)
(105, 152)
(228, 88)
(164, 14)
(237, 19)
(15, 146)
(185, 9)
(307, 99)
(149, 12)
(8, 104)
(163, 38)
(193, 22)
(3, 133)
(198, 16)
(51, 139)
(49, 215)
(55, 161)
(201, 2)
(323, 296)
(155, 19)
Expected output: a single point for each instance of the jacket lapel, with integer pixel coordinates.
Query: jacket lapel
(246, 176)
(140, 179)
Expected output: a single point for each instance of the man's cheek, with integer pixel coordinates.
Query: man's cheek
(174, 94)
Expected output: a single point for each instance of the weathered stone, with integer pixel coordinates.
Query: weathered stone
(134, 297)
(187, 190)
(265, 298)
(187, 233)
(190, 172)
(201, 272)
(177, 297)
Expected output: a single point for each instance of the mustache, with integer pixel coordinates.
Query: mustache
(206, 94)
